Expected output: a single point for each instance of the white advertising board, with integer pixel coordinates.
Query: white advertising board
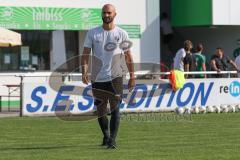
(42, 99)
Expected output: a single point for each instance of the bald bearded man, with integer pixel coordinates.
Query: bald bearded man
(109, 44)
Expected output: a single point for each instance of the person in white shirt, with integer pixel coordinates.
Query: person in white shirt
(166, 28)
(108, 44)
(181, 53)
(237, 61)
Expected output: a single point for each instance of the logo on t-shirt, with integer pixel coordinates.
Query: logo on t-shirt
(111, 46)
(124, 46)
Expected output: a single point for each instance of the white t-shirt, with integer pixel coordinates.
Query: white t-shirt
(237, 61)
(107, 59)
(178, 59)
(166, 27)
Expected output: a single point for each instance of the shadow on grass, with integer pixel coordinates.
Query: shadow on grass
(86, 147)
(37, 148)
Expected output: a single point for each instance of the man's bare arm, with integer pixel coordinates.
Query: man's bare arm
(186, 69)
(130, 66)
(204, 69)
(234, 65)
(213, 64)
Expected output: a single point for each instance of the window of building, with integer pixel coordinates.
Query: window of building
(72, 49)
(34, 54)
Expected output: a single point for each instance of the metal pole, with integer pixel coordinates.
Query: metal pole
(0, 103)
(21, 96)
(9, 99)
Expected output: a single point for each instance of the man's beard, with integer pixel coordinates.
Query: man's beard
(107, 20)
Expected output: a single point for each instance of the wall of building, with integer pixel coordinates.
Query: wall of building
(191, 12)
(150, 40)
(205, 12)
(226, 12)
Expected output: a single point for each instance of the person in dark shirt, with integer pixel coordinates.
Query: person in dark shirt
(219, 62)
(188, 63)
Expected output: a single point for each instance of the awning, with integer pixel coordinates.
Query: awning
(9, 38)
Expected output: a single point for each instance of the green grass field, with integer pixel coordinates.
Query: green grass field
(209, 136)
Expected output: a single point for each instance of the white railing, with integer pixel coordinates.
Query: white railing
(43, 74)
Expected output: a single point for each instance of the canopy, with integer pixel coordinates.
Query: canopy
(9, 38)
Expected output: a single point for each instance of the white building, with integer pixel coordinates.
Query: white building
(54, 30)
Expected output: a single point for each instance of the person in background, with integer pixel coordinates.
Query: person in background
(188, 63)
(237, 61)
(166, 28)
(219, 62)
(199, 61)
(181, 54)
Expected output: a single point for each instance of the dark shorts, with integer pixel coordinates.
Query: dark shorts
(104, 92)
(167, 38)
